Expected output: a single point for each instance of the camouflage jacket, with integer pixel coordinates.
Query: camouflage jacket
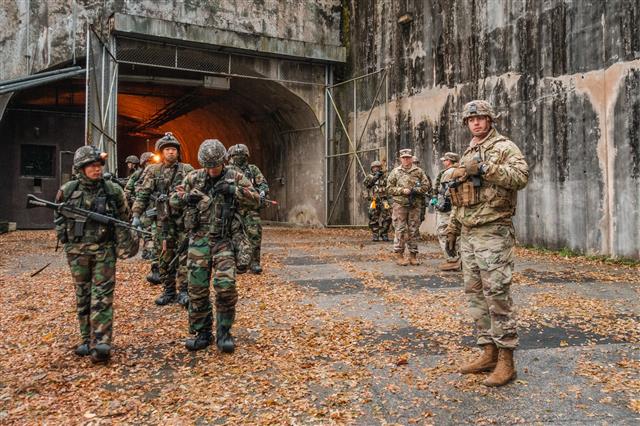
(255, 176)
(91, 237)
(506, 173)
(130, 187)
(160, 179)
(376, 187)
(215, 212)
(413, 178)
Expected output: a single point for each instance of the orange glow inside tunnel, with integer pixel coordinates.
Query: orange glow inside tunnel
(213, 121)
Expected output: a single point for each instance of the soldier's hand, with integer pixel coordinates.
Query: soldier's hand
(406, 191)
(228, 188)
(180, 190)
(433, 201)
(458, 172)
(263, 196)
(451, 245)
(135, 222)
(193, 199)
(474, 167)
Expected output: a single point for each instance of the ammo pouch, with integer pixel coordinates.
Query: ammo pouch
(465, 194)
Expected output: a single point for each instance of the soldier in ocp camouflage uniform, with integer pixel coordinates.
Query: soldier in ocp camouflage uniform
(91, 249)
(239, 158)
(484, 196)
(407, 183)
(379, 203)
(422, 201)
(160, 180)
(210, 198)
(441, 201)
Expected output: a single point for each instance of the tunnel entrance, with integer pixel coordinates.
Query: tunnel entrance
(274, 105)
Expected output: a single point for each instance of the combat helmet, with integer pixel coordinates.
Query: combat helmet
(478, 107)
(239, 149)
(168, 140)
(211, 153)
(375, 163)
(145, 157)
(86, 155)
(132, 159)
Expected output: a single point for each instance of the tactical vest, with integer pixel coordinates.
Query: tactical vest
(82, 231)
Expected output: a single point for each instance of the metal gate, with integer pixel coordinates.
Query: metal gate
(101, 99)
(353, 142)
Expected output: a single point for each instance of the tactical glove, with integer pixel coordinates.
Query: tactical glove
(451, 245)
(458, 173)
(433, 201)
(474, 167)
(263, 196)
(228, 188)
(135, 222)
(193, 199)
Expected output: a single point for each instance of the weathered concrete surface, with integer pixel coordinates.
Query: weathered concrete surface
(333, 332)
(564, 74)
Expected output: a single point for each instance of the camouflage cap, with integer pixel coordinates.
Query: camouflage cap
(132, 159)
(239, 149)
(376, 163)
(415, 160)
(145, 157)
(167, 141)
(406, 153)
(211, 153)
(451, 156)
(478, 107)
(86, 155)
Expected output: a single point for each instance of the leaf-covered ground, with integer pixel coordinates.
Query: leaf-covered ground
(333, 332)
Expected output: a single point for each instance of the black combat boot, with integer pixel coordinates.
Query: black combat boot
(83, 349)
(375, 237)
(154, 277)
(385, 237)
(101, 353)
(224, 339)
(201, 341)
(183, 296)
(255, 261)
(167, 296)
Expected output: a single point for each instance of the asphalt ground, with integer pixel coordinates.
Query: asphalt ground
(332, 333)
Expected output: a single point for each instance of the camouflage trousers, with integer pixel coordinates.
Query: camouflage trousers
(253, 229)
(487, 265)
(94, 278)
(176, 275)
(203, 262)
(379, 220)
(442, 221)
(406, 221)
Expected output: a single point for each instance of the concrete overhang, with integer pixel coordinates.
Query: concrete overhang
(224, 40)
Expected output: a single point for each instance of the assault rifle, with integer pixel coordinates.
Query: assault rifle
(73, 212)
(181, 250)
(413, 193)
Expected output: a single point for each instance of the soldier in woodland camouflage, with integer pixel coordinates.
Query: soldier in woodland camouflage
(379, 202)
(239, 158)
(210, 198)
(484, 193)
(407, 184)
(92, 248)
(160, 181)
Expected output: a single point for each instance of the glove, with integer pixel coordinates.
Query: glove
(433, 201)
(228, 188)
(135, 222)
(458, 173)
(474, 167)
(451, 245)
(379, 174)
(193, 199)
(263, 196)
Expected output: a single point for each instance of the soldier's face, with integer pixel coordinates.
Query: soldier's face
(131, 166)
(215, 171)
(446, 163)
(93, 171)
(375, 169)
(406, 161)
(479, 125)
(170, 154)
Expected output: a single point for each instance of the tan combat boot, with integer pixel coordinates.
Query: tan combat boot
(450, 266)
(400, 260)
(486, 362)
(505, 370)
(413, 259)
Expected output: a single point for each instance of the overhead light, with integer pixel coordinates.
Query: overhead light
(405, 18)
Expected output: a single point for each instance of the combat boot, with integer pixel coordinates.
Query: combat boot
(146, 254)
(413, 259)
(375, 238)
(154, 277)
(83, 349)
(450, 266)
(385, 237)
(101, 353)
(505, 370)
(224, 339)
(201, 341)
(486, 362)
(183, 298)
(400, 260)
(167, 296)
(255, 261)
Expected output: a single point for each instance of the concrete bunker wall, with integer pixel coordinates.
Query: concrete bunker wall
(564, 74)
